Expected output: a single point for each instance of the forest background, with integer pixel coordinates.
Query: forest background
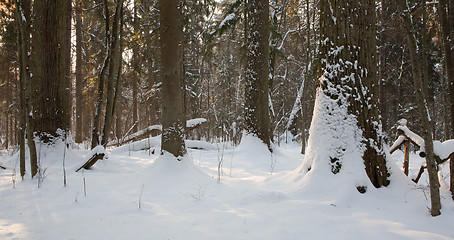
(214, 55)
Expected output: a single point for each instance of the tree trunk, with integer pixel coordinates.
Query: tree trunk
(136, 69)
(79, 78)
(446, 22)
(113, 75)
(257, 112)
(97, 115)
(421, 101)
(305, 110)
(22, 115)
(348, 87)
(52, 63)
(25, 75)
(173, 118)
(445, 18)
(451, 179)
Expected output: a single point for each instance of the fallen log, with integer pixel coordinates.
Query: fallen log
(88, 164)
(155, 129)
(96, 154)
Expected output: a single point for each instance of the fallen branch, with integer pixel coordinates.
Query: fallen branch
(88, 164)
(96, 154)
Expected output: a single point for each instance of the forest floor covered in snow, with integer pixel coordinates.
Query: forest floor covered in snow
(138, 194)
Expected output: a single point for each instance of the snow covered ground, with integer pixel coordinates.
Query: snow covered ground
(141, 195)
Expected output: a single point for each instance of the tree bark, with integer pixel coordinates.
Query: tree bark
(310, 60)
(446, 20)
(257, 112)
(421, 101)
(22, 14)
(79, 78)
(173, 117)
(51, 69)
(113, 74)
(97, 115)
(136, 69)
(349, 63)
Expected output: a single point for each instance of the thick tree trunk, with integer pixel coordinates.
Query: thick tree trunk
(421, 101)
(51, 70)
(368, 117)
(173, 117)
(349, 63)
(79, 77)
(257, 112)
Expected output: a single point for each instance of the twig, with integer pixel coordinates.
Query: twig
(140, 197)
(85, 188)
(64, 167)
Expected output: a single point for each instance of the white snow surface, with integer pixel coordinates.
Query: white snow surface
(444, 149)
(260, 196)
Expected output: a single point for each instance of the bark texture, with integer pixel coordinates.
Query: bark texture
(173, 115)
(421, 101)
(51, 44)
(257, 112)
(79, 77)
(23, 19)
(446, 20)
(349, 65)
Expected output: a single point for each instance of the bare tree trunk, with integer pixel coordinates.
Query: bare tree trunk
(173, 118)
(97, 115)
(113, 75)
(446, 20)
(22, 117)
(305, 110)
(257, 112)
(79, 77)
(136, 69)
(348, 84)
(52, 63)
(23, 19)
(119, 73)
(421, 101)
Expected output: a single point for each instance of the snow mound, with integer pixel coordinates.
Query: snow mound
(175, 175)
(252, 153)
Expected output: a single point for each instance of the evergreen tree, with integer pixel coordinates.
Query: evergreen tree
(346, 125)
(51, 65)
(257, 112)
(173, 116)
